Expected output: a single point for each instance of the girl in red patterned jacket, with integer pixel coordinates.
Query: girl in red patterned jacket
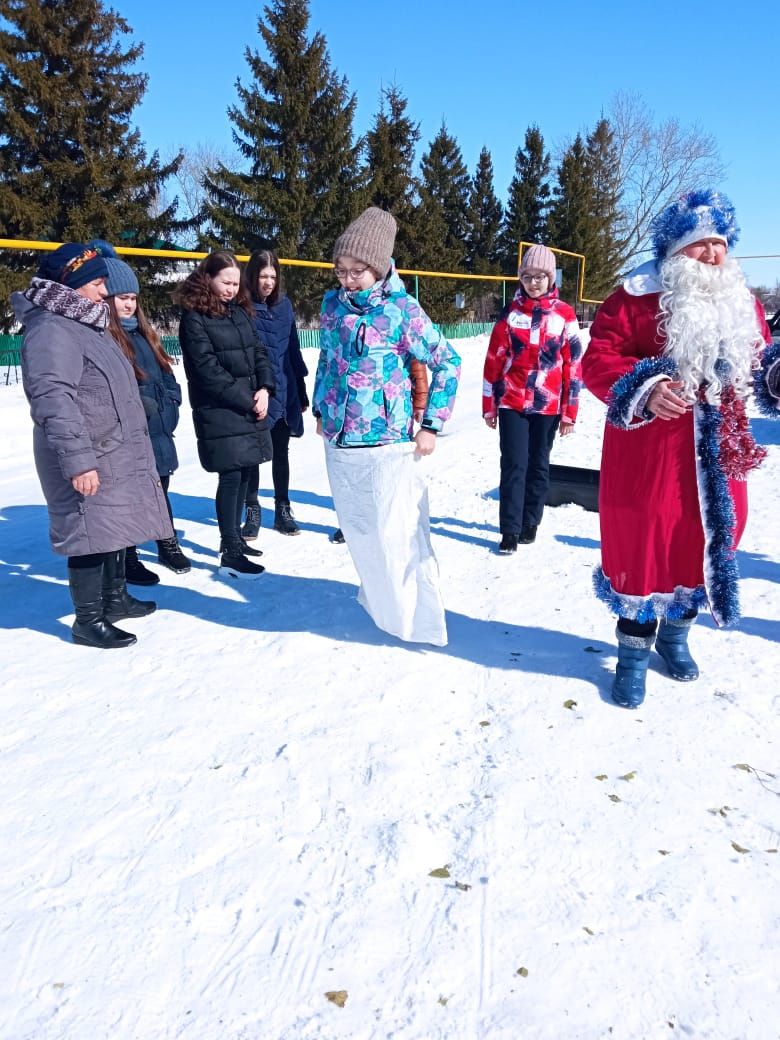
(530, 387)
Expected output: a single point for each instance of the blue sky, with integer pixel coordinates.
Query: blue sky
(489, 70)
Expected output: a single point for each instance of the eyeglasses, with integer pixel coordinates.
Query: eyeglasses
(526, 277)
(342, 273)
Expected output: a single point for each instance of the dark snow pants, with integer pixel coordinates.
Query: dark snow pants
(526, 441)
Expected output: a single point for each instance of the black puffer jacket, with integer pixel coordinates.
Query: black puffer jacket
(225, 364)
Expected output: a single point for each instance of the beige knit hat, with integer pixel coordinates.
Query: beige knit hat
(370, 238)
(540, 258)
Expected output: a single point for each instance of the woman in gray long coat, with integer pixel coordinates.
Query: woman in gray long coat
(91, 440)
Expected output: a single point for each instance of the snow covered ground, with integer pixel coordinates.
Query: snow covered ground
(205, 835)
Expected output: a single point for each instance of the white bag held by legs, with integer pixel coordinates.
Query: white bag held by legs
(381, 499)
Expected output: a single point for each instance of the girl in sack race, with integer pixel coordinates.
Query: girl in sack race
(371, 331)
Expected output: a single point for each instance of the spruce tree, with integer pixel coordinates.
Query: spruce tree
(484, 225)
(72, 167)
(570, 213)
(432, 253)
(603, 250)
(447, 181)
(441, 223)
(390, 148)
(293, 126)
(484, 215)
(529, 194)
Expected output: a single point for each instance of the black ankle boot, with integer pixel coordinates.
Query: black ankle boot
(91, 628)
(135, 572)
(251, 528)
(169, 554)
(117, 601)
(527, 535)
(284, 521)
(234, 564)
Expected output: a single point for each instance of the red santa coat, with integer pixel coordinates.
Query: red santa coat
(672, 494)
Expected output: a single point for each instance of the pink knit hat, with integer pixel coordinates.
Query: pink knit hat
(540, 258)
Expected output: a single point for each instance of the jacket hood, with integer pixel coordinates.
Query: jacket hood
(22, 308)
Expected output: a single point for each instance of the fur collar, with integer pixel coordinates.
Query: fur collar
(643, 280)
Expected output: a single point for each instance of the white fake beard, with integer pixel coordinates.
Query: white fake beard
(709, 315)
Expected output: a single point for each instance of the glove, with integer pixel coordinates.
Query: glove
(150, 406)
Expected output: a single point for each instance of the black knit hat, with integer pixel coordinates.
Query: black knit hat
(73, 264)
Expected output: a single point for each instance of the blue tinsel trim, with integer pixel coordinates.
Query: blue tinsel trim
(681, 217)
(719, 519)
(767, 404)
(675, 606)
(625, 389)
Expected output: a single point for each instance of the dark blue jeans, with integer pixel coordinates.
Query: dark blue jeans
(526, 441)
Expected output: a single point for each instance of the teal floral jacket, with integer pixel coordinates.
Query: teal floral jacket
(362, 390)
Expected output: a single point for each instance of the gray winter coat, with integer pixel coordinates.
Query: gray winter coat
(88, 415)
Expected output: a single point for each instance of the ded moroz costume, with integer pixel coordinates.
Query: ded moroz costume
(673, 353)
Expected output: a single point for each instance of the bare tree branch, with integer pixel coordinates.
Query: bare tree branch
(658, 163)
(187, 182)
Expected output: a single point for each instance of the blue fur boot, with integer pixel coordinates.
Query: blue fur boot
(628, 689)
(672, 645)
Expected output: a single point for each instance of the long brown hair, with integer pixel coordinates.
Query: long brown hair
(195, 293)
(259, 260)
(148, 333)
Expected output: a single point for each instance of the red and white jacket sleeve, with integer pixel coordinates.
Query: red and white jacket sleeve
(497, 361)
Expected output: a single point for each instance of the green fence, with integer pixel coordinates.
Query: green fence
(11, 346)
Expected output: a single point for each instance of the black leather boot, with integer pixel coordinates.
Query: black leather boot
(117, 601)
(91, 628)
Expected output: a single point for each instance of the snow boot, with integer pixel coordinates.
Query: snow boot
(234, 564)
(628, 689)
(135, 572)
(251, 528)
(672, 645)
(527, 535)
(169, 554)
(91, 628)
(338, 537)
(249, 550)
(117, 601)
(508, 544)
(284, 521)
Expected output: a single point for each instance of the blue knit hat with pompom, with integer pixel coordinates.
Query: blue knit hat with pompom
(697, 215)
(121, 277)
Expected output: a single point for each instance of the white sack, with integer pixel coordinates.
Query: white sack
(381, 500)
